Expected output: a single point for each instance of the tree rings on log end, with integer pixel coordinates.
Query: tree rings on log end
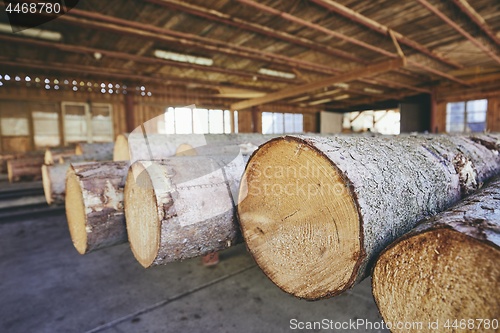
(143, 223)
(47, 186)
(75, 212)
(440, 274)
(121, 149)
(300, 219)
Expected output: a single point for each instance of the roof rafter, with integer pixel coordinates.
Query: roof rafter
(367, 71)
(476, 18)
(341, 36)
(460, 30)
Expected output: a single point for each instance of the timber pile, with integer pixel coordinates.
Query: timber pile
(136, 147)
(96, 151)
(182, 207)
(53, 155)
(27, 168)
(447, 268)
(316, 211)
(4, 158)
(94, 204)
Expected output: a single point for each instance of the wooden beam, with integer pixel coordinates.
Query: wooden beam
(493, 55)
(298, 90)
(476, 18)
(216, 16)
(335, 34)
(382, 29)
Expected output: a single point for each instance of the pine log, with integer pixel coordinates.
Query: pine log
(136, 147)
(316, 211)
(28, 168)
(101, 151)
(54, 182)
(52, 156)
(182, 207)
(94, 204)
(447, 268)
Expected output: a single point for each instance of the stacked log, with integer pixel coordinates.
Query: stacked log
(28, 168)
(53, 156)
(182, 207)
(316, 211)
(4, 158)
(94, 204)
(446, 272)
(98, 151)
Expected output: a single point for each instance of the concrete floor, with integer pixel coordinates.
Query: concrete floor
(46, 286)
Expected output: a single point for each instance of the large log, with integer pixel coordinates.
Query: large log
(100, 151)
(94, 204)
(137, 147)
(446, 269)
(53, 155)
(182, 207)
(316, 211)
(28, 168)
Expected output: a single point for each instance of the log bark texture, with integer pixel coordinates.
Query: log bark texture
(137, 147)
(28, 168)
(94, 204)
(4, 158)
(54, 182)
(447, 268)
(316, 211)
(54, 155)
(100, 151)
(182, 207)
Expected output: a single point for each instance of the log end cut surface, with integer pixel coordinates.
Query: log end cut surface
(143, 224)
(300, 220)
(120, 149)
(438, 275)
(47, 186)
(75, 212)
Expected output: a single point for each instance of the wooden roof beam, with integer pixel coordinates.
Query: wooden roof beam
(165, 35)
(138, 59)
(341, 36)
(367, 71)
(213, 15)
(476, 18)
(493, 55)
(384, 30)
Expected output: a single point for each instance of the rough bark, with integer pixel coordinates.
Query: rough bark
(54, 182)
(316, 211)
(94, 204)
(53, 156)
(100, 151)
(28, 168)
(447, 268)
(4, 158)
(182, 207)
(136, 147)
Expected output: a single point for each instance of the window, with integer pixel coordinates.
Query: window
(46, 128)
(85, 122)
(198, 121)
(380, 121)
(467, 116)
(12, 126)
(279, 123)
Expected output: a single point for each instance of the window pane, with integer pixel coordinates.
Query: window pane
(455, 117)
(235, 121)
(227, 121)
(15, 126)
(216, 121)
(183, 121)
(102, 123)
(46, 128)
(298, 120)
(267, 123)
(75, 123)
(170, 121)
(278, 123)
(289, 123)
(200, 121)
(476, 115)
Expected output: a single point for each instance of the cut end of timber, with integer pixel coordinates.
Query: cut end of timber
(75, 212)
(300, 219)
(143, 225)
(78, 150)
(437, 275)
(48, 158)
(120, 149)
(185, 149)
(47, 185)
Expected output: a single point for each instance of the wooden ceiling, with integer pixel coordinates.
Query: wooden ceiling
(341, 53)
